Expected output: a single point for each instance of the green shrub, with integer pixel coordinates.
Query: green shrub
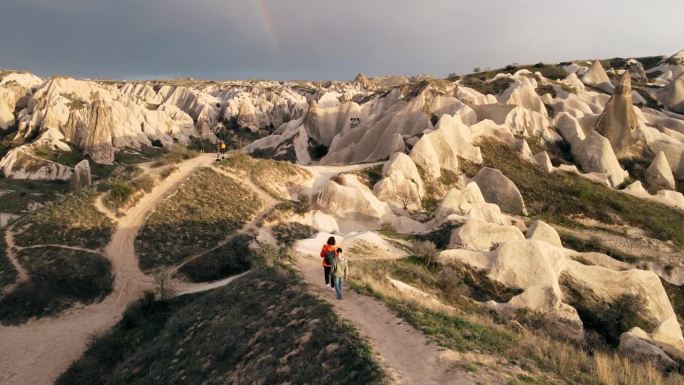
(143, 183)
(119, 193)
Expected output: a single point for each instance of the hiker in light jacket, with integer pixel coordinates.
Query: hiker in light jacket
(340, 271)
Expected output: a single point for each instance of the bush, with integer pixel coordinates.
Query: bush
(168, 170)
(425, 250)
(119, 193)
(288, 233)
(144, 183)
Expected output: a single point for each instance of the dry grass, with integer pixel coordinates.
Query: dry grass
(59, 278)
(274, 177)
(456, 322)
(74, 221)
(263, 328)
(207, 207)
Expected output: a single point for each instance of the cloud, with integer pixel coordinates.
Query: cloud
(322, 39)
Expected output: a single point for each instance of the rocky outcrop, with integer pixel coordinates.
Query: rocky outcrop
(595, 154)
(469, 203)
(541, 231)
(598, 77)
(638, 345)
(81, 177)
(402, 185)
(354, 206)
(15, 89)
(98, 132)
(659, 175)
(478, 235)
(498, 189)
(19, 163)
(619, 123)
(551, 281)
(441, 148)
(672, 96)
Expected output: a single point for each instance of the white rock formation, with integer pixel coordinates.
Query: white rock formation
(619, 123)
(81, 177)
(541, 231)
(674, 199)
(659, 175)
(19, 163)
(469, 203)
(672, 96)
(478, 235)
(402, 185)
(498, 189)
(441, 148)
(598, 77)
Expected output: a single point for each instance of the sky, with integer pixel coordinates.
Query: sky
(323, 39)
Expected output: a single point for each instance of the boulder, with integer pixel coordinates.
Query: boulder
(540, 231)
(659, 175)
(595, 154)
(81, 177)
(635, 345)
(19, 163)
(498, 189)
(477, 235)
(544, 161)
(469, 203)
(619, 123)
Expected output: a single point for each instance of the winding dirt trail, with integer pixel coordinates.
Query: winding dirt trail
(407, 355)
(38, 351)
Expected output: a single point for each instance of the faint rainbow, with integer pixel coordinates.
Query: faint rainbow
(269, 24)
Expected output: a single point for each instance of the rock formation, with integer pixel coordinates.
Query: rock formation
(497, 188)
(81, 177)
(672, 96)
(619, 122)
(402, 185)
(598, 77)
(659, 175)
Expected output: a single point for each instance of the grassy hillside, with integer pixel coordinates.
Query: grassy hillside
(558, 197)
(207, 207)
(261, 329)
(59, 278)
(74, 221)
(539, 345)
(232, 258)
(15, 195)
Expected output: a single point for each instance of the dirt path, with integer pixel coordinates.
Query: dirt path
(22, 274)
(406, 354)
(38, 351)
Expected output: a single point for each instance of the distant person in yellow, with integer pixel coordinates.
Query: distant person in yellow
(220, 150)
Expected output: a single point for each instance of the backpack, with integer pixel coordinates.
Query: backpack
(330, 257)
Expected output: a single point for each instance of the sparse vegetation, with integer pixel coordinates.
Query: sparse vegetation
(207, 207)
(74, 221)
(469, 327)
(122, 193)
(557, 197)
(426, 251)
(261, 328)
(288, 233)
(232, 258)
(175, 154)
(493, 87)
(16, 195)
(593, 244)
(270, 175)
(370, 175)
(59, 278)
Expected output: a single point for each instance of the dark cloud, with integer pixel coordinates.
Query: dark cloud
(322, 39)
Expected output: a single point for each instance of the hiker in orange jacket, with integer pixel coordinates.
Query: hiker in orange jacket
(328, 254)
